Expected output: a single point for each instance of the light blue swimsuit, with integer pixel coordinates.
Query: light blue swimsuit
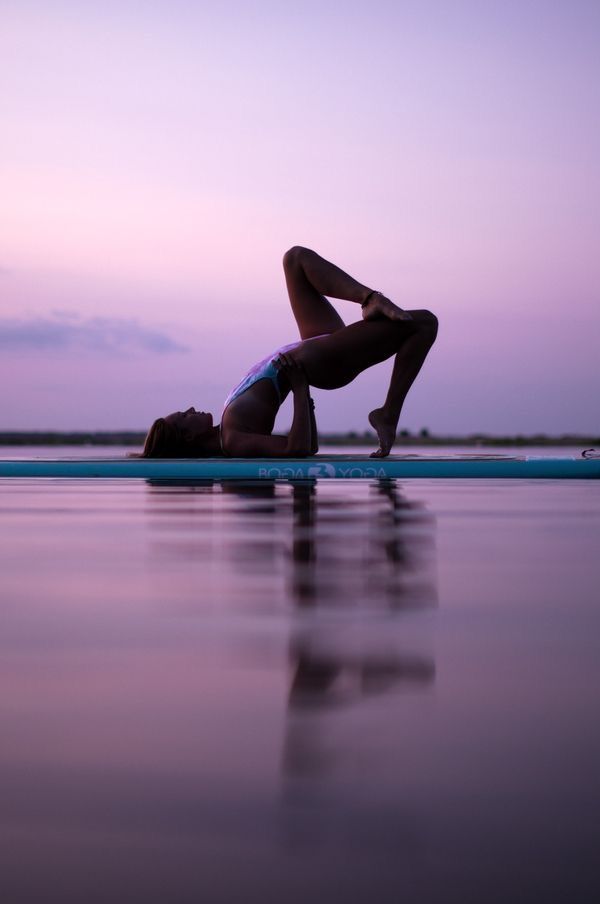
(264, 370)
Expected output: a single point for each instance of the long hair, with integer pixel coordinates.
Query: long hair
(165, 440)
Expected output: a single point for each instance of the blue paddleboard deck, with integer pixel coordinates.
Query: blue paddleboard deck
(319, 466)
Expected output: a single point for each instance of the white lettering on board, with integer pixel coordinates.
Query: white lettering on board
(319, 470)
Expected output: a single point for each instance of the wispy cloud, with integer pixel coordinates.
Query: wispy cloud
(64, 330)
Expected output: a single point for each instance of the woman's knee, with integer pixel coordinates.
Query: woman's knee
(428, 324)
(294, 256)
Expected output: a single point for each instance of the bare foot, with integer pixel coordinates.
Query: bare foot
(386, 432)
(378, 307)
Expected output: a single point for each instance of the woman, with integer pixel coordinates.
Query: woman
(328, 355)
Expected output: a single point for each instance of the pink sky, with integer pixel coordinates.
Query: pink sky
(158, 158)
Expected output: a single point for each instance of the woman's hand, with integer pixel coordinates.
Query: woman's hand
(293, 371)
(377, 307)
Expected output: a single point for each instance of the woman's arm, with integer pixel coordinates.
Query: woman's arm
(302, 436)
(314, 436)
(300, 440)
(258, 445)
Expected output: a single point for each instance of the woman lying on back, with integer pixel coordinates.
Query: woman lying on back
(328, 355)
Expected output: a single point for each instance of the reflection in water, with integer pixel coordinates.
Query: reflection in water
(225, 693)
(364, 557)
(291, 546)
(298, 546)
(348, 562)
(383, 564)
(352, 553)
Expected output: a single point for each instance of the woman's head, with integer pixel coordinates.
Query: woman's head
(183, 434)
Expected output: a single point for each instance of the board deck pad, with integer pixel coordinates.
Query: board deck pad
(347, 467)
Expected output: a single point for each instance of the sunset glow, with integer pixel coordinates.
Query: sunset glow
(158, 159)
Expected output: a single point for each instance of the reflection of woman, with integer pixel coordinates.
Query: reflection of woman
(328, 355)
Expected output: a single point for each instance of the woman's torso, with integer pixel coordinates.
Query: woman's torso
(253, 404)
(264, 370)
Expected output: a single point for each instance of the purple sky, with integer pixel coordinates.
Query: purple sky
(158, 158)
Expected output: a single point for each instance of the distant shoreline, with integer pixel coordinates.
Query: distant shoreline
(351, 438)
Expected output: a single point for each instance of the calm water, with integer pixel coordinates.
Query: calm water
(336, 691)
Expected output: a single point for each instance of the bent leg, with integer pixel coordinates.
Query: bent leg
(407, 364)
(335, 360)
(309, 278)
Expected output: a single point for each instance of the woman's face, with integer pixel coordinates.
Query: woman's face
(193, 423)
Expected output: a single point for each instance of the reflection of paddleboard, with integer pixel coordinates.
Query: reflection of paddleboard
(319, 466)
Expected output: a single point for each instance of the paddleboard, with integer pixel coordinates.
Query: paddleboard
(327, 467)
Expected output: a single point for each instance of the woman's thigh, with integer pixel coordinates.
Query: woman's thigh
(335, 360)
(313, 313)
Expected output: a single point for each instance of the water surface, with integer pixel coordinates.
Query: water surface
(337, 690)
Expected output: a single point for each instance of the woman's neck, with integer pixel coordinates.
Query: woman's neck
(214, 445)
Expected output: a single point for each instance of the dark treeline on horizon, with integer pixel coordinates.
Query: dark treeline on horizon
(351, 438)
(71, 438)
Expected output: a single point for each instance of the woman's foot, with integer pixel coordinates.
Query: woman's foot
(386, 432)
(378, 307)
